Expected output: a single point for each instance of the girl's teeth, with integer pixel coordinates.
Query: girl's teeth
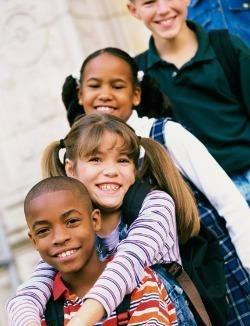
(104, 109)
(109, 187)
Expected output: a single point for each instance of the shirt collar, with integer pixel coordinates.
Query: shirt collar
(59, 288)
(204, 52)
(142, 126)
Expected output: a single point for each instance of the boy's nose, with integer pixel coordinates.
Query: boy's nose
(60, 235)
(162, 6)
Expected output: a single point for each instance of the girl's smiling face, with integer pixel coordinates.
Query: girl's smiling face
(107, 173)
(108, 87)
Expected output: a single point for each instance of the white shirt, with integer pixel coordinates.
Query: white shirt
(195, 163)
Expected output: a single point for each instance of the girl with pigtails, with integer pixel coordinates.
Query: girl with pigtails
(109, 83)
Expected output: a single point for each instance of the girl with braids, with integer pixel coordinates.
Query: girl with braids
(103, 152)
(110, 83)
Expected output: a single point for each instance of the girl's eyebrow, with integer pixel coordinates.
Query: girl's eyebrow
(116, 79)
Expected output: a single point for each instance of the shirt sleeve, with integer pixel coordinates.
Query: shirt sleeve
(28, 305)
(152, 238)
(151, 304)
(195, 162)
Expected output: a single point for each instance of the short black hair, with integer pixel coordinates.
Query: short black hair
(57, 183)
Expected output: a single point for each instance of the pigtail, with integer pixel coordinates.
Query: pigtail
(159, 170)
(70, 99)
(154, 104)
(51, 164)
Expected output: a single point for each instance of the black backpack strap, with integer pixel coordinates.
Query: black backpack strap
(122, 311)
(133, 200)
(54, 313)
(227, 57)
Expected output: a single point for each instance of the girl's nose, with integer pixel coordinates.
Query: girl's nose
(110, 170)
(105, 94)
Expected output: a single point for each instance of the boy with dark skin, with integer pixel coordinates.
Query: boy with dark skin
(62, 226)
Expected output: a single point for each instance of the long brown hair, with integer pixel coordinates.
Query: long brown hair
(85, 138)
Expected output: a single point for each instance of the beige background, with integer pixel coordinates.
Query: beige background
(41, 42)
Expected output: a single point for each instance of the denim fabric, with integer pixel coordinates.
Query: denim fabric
(237, 279)
(242, 181)
(233, 15)
(177, 296)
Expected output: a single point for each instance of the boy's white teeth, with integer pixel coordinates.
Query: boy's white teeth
(67, 253)
(109, 187)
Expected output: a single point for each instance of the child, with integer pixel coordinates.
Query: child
(127, 78)
(102, 152)
(181, 58)
(62, 225)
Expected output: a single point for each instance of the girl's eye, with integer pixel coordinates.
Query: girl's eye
(118, 86)
(94, 159)
(93, 85)
(124, 160)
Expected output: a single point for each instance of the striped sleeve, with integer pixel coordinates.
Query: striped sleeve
(150, 303)
(28, 305)
(152, 238)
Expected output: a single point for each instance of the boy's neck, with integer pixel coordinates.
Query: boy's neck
(81, 282)
(178, 50)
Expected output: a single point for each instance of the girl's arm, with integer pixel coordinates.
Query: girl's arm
(27, 307)
(152, 238)
(195, 162)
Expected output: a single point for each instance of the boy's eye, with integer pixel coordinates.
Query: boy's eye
(73, 221)
(42, 232)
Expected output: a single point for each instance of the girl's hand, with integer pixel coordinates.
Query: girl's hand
(89, 314)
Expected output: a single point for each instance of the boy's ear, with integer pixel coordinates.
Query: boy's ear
(96, 220)
(69, 168)
(32, 239)
(132, 9)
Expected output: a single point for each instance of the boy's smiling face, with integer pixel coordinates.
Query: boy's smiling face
(164, 18)
(62, 229)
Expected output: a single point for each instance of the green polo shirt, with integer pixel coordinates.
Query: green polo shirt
(203, 102)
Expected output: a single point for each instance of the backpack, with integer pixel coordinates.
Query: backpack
(202, 276)
(54, 313)
(227, 56)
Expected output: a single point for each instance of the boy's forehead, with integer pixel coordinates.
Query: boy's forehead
(54, 201)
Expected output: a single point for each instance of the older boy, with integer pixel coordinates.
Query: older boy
(181, 58)
(62, 225)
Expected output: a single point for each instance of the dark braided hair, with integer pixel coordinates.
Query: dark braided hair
(154, 104)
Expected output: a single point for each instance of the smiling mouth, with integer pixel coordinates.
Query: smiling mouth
(105, 109)
(67, 253)
(166, 22)
(109, 187)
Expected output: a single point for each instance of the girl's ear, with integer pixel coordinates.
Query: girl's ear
(69, 168)
(79, 95)
(133, 10)
(137, 96)
(96, 220)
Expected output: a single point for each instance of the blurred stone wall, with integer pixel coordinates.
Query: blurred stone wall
(41, 42)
